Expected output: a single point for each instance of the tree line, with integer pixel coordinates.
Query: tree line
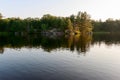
(110, 25)
(80, 23)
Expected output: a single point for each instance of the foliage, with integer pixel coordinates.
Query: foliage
(70, 27)
(77, 23)
(109, 25)
(83, 21)
(0, 16)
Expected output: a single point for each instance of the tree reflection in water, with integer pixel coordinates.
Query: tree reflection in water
(79, 43)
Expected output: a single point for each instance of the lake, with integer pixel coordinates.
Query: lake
(79, 57)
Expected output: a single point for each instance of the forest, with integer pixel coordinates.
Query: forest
(80, 23)
(110, 26)
(74, 24)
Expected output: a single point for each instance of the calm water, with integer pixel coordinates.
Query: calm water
(83, 57)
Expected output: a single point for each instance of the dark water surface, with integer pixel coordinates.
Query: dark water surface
(77, 57)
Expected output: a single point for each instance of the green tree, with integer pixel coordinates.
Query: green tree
(70, 26)
(1, 16)
(44, 27)
(84, 22)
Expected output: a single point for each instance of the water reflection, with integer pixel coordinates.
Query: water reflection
(108, 39)
(31, 62)
(79, 43)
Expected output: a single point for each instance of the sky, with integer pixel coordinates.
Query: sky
(98, 9)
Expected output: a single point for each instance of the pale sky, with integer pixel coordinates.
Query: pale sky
(98, 9)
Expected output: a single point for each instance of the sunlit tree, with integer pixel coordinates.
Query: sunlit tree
(70, 27)
(83, 21)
